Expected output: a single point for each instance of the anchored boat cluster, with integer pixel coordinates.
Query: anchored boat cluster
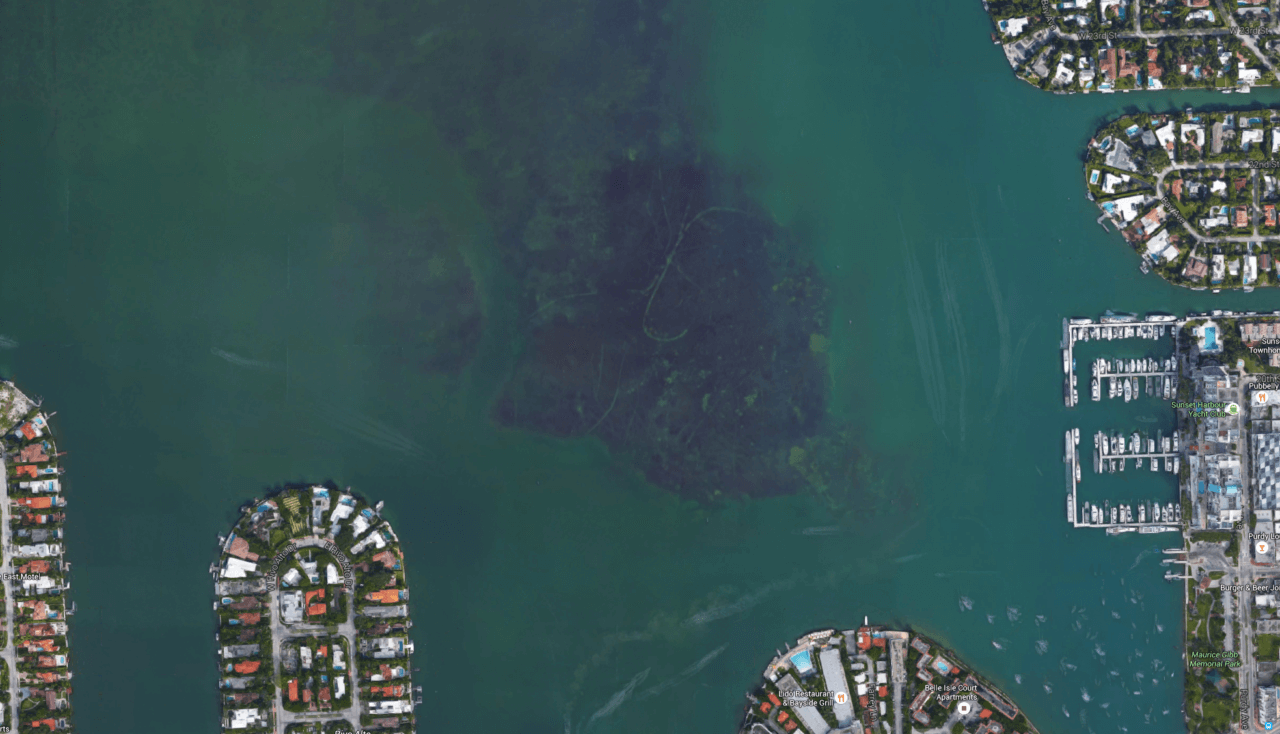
(313, 617)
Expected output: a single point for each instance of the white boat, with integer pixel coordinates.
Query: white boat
(1077, 470)
(1176, 464)
(1161, 318)
(1120, 529)
(1123, 461)
(1155, 464)
(1066, 361)
(1142, 513)
(1137, 463)
(1075, 436)
(1095, 390)
(1149, 529)
(1115, 515)
(1128, 391)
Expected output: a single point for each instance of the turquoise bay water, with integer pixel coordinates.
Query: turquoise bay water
(180, 290)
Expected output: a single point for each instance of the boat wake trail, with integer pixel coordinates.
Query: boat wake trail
(955, 320)
(237, 360)
(823, 530)
(370, 430)
(8, 342)
(617, 699)
(738, 606)
(684, 675)
(1002, 319)
(920, 311)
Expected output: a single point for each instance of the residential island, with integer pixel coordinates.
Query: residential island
(806, 689)
(1109, 45)
(1218, 376)
(35, 680)
(1195, 193)
(313, 617)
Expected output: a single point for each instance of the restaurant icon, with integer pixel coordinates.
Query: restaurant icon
(842, 697)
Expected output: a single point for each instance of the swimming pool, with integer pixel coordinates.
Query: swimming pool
(1210, 338)
(803, 661)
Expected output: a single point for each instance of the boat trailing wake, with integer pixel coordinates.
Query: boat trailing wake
(237, 360)
(618, 698)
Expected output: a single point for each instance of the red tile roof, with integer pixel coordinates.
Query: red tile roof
(247, 666)
(240, 549)
(315, 609)
(293, 689)
(386, 596)
(249, 618)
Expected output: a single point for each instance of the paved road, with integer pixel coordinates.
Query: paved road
(9, 653)
(280, 632)
(1222, 167)
(1248, 669)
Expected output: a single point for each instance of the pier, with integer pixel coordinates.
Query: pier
(1110, 328)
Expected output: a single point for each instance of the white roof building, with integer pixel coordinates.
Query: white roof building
(236, 568)
(1128, 206)
(1193, 133)
(833, 674)
(38, 584)
(399, 706)
(1159, 247)
(1013, 26)
(291, 607)
(39, 550)
(245, 718)
(331, 575)
(1165, 135)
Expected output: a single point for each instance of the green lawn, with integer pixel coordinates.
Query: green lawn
(1268, 647)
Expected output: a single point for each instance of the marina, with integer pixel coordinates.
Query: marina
(1121, 375)
(1114, 451)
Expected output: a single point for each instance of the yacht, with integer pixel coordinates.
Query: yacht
(1075, 436)
(1137, 463)
(1155, 464)
(1176, 464)
(1118, 530)
(1066, 361)
(1128, 391)
(1095, 390)
(1077, 463)
(1142, 513)
(1161, 318)
(1115, 515)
